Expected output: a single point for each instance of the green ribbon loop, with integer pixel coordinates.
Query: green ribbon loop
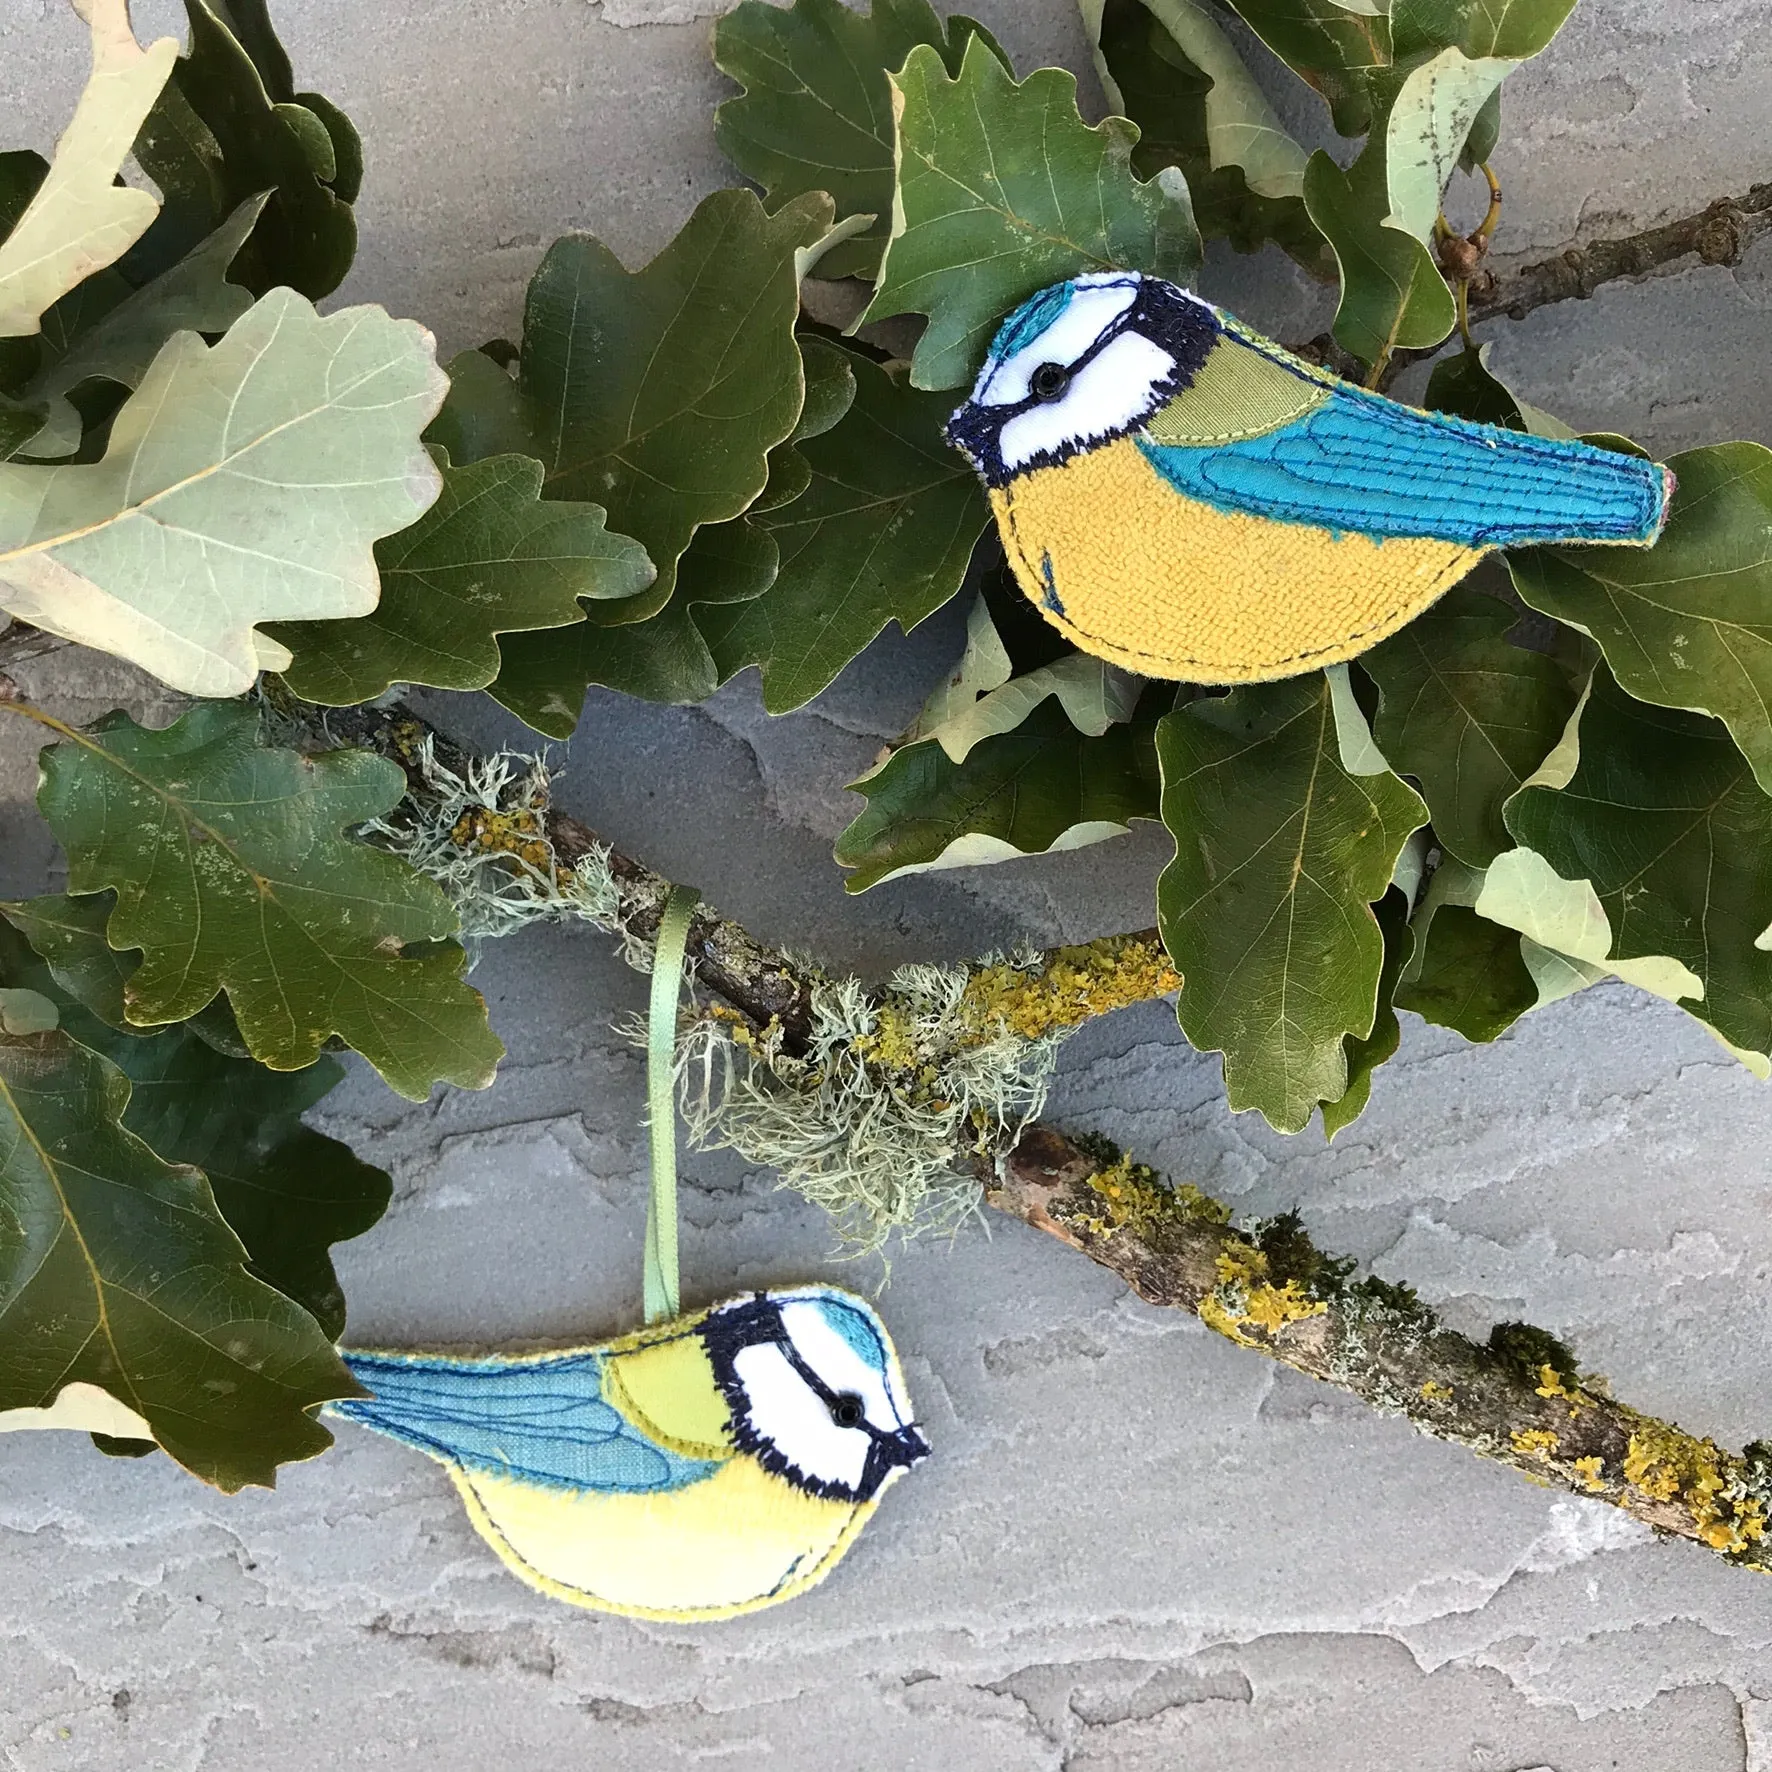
(661, 1287)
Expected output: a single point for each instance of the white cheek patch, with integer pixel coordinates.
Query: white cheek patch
(1111, 393)
(1087, 315)
(830, 1355)
(785, 1411)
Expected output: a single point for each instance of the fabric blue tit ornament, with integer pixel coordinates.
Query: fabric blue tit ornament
(702, 1467)
(1181, 496)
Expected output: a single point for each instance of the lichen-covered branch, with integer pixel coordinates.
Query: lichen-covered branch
(1519, 1399)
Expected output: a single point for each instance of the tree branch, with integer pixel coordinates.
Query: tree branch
(1519, 1399)
(1719, 234)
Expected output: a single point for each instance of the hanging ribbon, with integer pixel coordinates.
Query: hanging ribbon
(661, 1288)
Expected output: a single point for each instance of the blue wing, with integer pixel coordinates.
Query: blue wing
(542, 1418)
(1362, 463)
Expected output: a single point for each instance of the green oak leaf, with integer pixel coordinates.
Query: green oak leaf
(232, 874)
(657, 394)
(1364, 1056)
(1168, 66)
(1663, 816)
(287, 1192)
(242, 482)
(87, 972)
(816, 110)
(1280, 854)
(1002, 190)
(1468, 714)
(734, 561)
(883, 532)
(83, 217)
(117, 1272)
(1332, 47)
(1392, 294)
(1042, 787)
(1469, 976)
(1466, 386)
(194, 295)
(490, 557)
(1513, 29)
(1688, 622)
(218, 136)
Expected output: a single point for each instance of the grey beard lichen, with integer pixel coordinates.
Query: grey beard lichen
(876, 1120)
(481, 834)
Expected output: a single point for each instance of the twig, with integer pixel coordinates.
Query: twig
(1519, 1399)
(1719, 234)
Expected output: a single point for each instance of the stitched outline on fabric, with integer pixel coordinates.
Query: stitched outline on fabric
(792, 1583)
(1459, 567)
(1628, 469)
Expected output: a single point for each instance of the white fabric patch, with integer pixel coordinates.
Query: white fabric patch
(791, 1416)
(1087, 315)
(1109, 395)
(839, 1365)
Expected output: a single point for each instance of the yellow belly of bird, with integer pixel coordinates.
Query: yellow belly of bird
(1144, 576)
(735, 1542)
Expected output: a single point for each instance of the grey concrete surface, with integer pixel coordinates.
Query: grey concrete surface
(1137, 1546)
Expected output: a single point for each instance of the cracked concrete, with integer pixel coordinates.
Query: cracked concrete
(1137, 1546)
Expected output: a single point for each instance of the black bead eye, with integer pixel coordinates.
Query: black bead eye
(1049, 381)
(848, 1410)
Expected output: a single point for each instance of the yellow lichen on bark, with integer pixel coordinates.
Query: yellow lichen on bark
(1245, 1295)
(1072, 987)
(1665, 1463)
(521, 832)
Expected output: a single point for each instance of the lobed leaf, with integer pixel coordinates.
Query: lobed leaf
(232, 874)
(1364, 1056)
(657, 394)
(1168, 66)
(1334, 47)
(1688, 622)
(1392, 294)
(882, 533)
(1003, 189)
(82, 217)
(1041, 787)
(194, 295)
(219, 135)
(1280, 853)
(242, 483)
(816, 110)
(490, 557)
(1661, 813)
(117, 1272)
(1470, 976)
(287, 1191)
(1468, 714)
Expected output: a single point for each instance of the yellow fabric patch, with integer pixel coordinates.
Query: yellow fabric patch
(739, 1541)
(667, 1390)
(1139, 574)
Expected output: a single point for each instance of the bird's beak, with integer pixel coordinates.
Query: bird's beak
(910, 1446)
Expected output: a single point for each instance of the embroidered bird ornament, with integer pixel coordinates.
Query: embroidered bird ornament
(1184, 498)
(694, 1470)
